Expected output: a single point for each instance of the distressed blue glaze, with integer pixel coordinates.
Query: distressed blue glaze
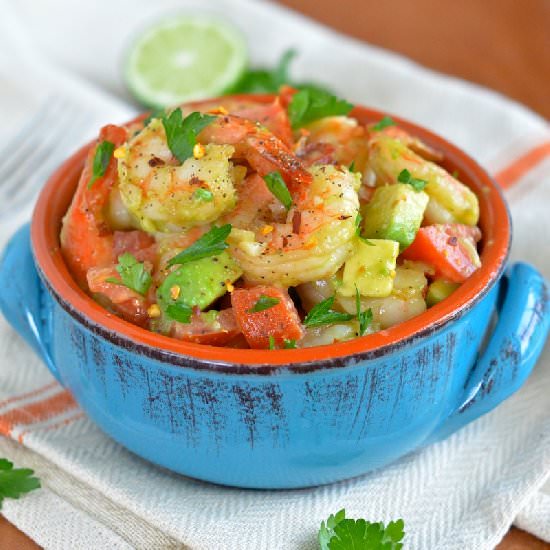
(285, 429)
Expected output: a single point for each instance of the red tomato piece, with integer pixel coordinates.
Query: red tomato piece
(280, 321)
(200, 332)
(124, 301)
(450, 248)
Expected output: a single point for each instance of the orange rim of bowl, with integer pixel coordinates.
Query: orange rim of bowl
(494, 222)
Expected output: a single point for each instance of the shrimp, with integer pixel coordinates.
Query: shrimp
(263, 151)
(86, 239)
(413, 143)
(315, 239)
(272, 116)
(450, 200)
(163, 194)
(341, 137)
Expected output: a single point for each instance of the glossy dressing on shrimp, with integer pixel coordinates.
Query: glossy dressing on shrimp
(269, 226)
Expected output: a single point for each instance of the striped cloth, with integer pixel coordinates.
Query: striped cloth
(462, 493)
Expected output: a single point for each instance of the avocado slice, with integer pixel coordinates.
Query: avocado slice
(439, 290)
(196, 283)
(371, 268)
(395, 212)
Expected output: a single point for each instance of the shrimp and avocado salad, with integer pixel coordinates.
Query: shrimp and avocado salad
(268, 225)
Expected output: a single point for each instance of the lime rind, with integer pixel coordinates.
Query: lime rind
(183, 59)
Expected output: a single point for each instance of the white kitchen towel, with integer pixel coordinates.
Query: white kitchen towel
(462, 493)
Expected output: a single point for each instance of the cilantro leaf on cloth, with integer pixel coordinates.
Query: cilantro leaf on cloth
(14, 482)
(340, 533)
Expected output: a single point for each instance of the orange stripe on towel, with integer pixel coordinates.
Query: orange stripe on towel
(510, 175)
(32, 393)
(37, 411)
(53, 426)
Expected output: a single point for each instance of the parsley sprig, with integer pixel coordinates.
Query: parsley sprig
(406, 177)
(132, 274)
(102, 156)
(340, 533)
(181, 133)
(311, 104)
(276, 184)
(264, 302)
(323, 314)
(364, 317)
(210, 244)
(384, 123)
(14, 482)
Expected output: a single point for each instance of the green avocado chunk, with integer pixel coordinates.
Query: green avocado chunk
(197, 283)
(395, 212)
(439, 290)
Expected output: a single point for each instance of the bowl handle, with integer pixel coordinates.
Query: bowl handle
(22, 299)
(523, 321)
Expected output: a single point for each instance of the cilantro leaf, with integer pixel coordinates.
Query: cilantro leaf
(179, 312)
(289, 344)
(181, 133)
(257, 81)
(276, 184)
(384, 123)
(132, 274)
(364, 317)
(358, 221)
(405, 177)
(351, 167)
(204, 194)
(15, 481)
(155, 113)
(102, 156)
(310, 104)
(269, 81)
(272, 342)
(340, 533)
(264, 302)
(210, 244)
(323, 314)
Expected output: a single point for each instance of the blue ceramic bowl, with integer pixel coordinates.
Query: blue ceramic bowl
(289, 418)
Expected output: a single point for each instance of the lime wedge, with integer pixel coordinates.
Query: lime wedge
(185, 58)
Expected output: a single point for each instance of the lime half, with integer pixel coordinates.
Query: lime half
(185, 58)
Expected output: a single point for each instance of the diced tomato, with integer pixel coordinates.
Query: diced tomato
(123, 300)
(450, 248)
(138, 243)
(200, 331)
(280, 321)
